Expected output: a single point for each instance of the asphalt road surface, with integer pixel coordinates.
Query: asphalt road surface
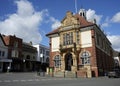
(31, 79)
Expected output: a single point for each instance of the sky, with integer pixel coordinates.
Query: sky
(31, 20)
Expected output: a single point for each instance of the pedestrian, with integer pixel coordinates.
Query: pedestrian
(105, 74)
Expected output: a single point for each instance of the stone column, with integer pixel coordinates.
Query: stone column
(88, 71)
(63, 62)
(74, 67)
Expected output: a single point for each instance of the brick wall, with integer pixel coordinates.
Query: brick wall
(9, 41)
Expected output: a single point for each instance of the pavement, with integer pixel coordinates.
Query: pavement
(32, 79)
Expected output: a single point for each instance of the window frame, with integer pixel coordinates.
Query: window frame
(68, 38)
(85, 58)
(57, 61)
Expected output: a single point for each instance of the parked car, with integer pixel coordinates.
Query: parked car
(114, 73)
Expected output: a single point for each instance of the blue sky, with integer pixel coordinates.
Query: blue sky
(32, 19)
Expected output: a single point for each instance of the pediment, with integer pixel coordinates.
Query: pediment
(69, 20)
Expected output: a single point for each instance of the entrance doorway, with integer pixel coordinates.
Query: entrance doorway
(68, 61)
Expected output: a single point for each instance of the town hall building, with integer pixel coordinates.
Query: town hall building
(79, 47)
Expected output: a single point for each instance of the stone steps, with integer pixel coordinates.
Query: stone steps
(70, 74)
(66, 74)
(59, 74)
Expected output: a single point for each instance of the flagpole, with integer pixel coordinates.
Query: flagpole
(76, 6)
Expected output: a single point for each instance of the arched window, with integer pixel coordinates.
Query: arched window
(57, 61)
(85, 57)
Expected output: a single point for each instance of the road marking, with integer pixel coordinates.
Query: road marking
(30, 80)
(37, 80)
(6, 81)
(42, 79)
(15, 80)
(23, 80)
(49, 79)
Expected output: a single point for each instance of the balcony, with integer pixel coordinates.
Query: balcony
(71, 47)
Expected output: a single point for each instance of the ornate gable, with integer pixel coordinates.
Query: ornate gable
(69, 20)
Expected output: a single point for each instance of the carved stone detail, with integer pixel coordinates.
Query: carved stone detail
(69, 20)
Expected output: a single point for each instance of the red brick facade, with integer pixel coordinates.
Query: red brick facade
(14, 51)
(100, 51)
(10, 41)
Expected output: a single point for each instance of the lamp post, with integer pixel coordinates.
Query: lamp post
(23, 64)
(41, 56)
(23, 60)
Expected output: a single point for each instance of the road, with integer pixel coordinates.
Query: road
(31, 79)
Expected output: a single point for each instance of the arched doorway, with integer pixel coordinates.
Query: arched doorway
(68, 61)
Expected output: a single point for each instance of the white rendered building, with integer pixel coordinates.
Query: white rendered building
(117, 61)
(4, 61)
(43, 53)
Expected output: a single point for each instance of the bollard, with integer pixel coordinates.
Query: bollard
(76, 74)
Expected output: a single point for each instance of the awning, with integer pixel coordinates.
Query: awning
(5, 60)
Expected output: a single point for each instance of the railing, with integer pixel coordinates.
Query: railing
(64, 47)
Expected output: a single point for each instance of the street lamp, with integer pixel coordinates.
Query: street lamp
(23, 64)
(23, 60)
(41, 56)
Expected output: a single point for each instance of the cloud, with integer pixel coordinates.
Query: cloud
(56, 23)
(24, 8)
(26, 22)
(91, 15)
(116, 18)
(109, 21)
(106, 23)
(115, 40)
